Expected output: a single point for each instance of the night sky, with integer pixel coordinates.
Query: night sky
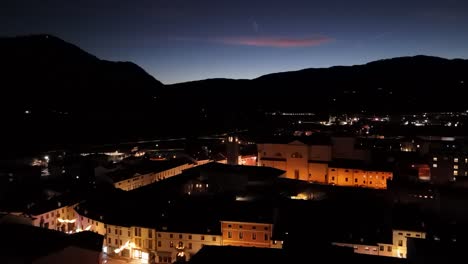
(183, 40)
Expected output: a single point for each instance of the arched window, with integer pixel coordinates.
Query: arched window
(296, 155)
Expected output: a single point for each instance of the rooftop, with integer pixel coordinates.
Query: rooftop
(144, 166)
(54, 203)
(314, 139)
(29, 242)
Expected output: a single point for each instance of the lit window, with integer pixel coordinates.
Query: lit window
(171, 244)
(455, 160)
(455, 167)
(434, 165)
(434, 158)
(455, 173)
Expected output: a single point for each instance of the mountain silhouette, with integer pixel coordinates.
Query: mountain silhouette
(44, 74)
(52, 91)
(418, 83)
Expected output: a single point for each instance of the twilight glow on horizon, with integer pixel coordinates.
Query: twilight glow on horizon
(184, 40)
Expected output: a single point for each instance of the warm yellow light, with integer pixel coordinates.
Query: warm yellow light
(66, 220)
(118, 250)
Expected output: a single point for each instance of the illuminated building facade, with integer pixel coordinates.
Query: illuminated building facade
(300, 160)
(446, 167)
(140, 180)
(335, 162)
(56, 216)
(164, 246)
(397, 248)
(349, 176)
(248, 234)
(174, 245)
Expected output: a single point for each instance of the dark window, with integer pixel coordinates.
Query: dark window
(241, 235)
(171, 235)
(180, 236)
(202, 237)
(381, 248)
(159, 243)
(240, 226)
(346, 179)
(189, 236)
(266, 237)
(400, 243)
(254, 227)
(229, 234)
(190, 245)
(389, 248)
(333, 178)
(214, 239)
(254, 236)
(355, 180)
